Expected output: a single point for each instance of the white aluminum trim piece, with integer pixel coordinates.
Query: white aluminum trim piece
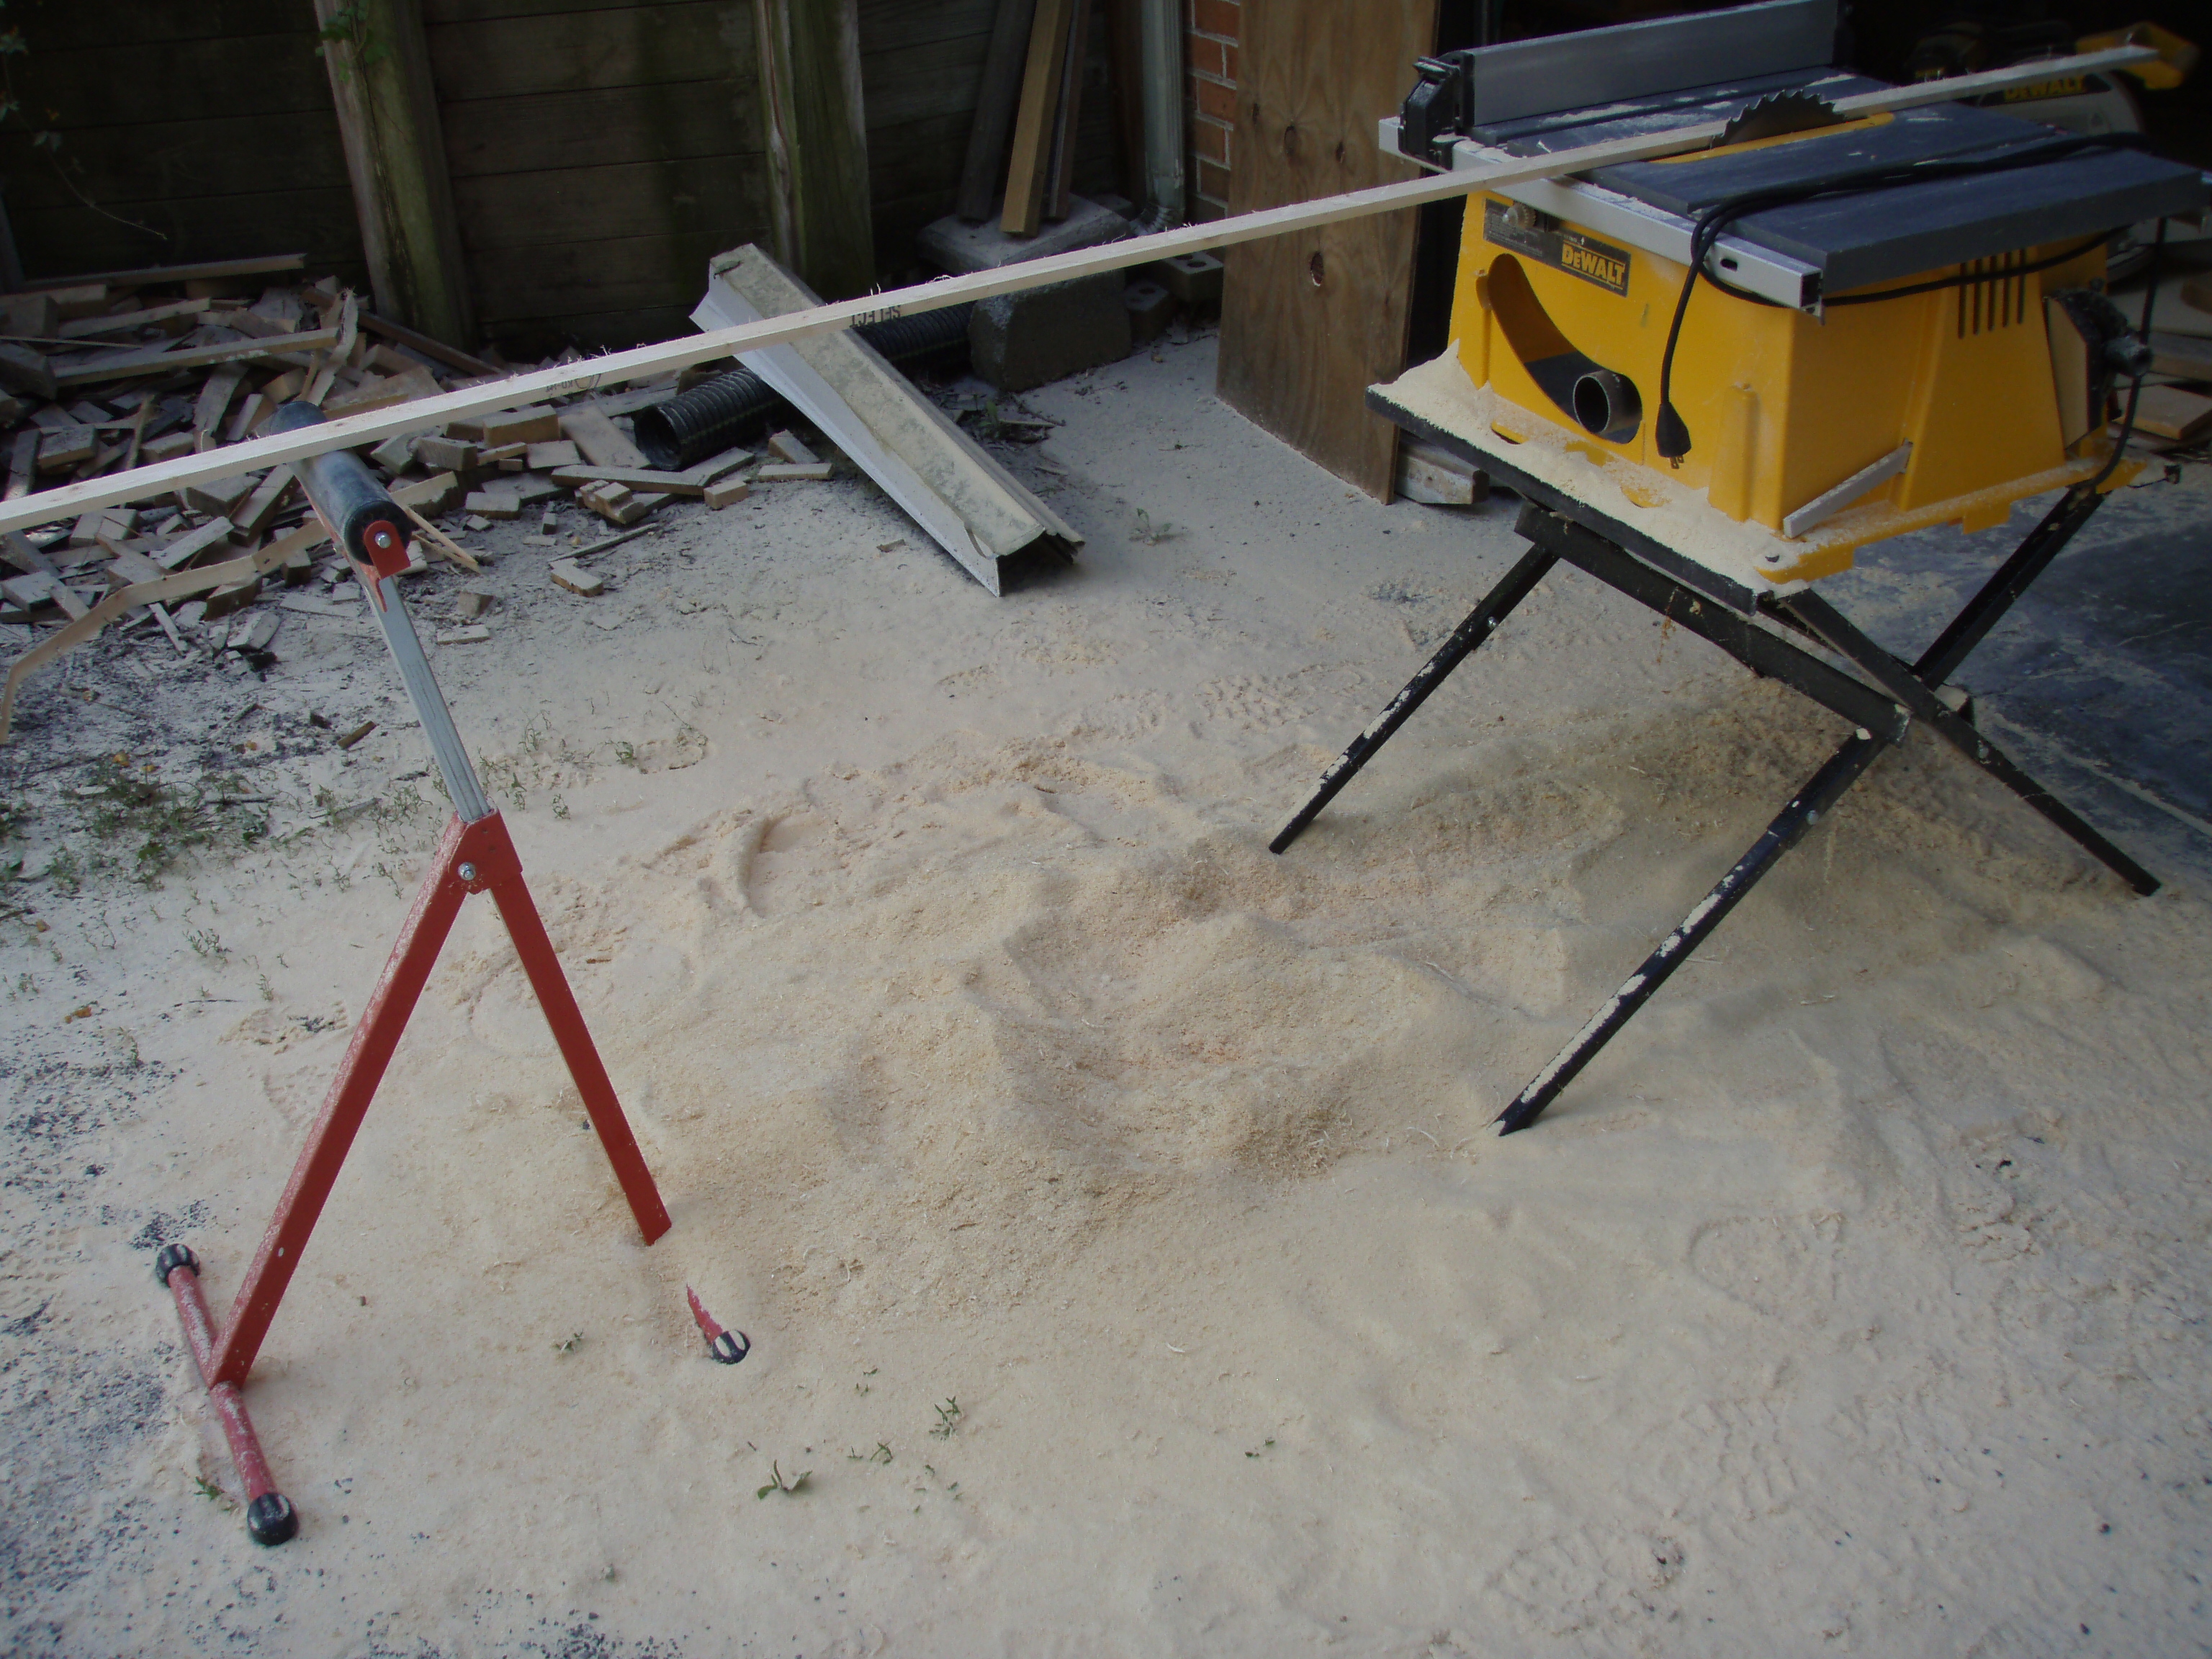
(1829, 502)
(793, 376)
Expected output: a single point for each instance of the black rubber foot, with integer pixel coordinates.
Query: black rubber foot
(271, 1519)
(730, 1346)
(173, 1256)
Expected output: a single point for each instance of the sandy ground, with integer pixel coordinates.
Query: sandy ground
(1109, 1204)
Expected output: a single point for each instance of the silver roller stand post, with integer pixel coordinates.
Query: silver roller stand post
(406, 646)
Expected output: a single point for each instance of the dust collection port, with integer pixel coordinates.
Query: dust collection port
(1608, 404)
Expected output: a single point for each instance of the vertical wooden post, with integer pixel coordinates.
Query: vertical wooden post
(818, 142)
(984, 174)
(1033, 121)
(395, 153)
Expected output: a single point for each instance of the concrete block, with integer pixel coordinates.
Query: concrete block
(1192, 278)
(957, 248)
(1151, 308)
(1017, 341)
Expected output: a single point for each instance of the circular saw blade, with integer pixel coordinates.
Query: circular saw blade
(1779, 113)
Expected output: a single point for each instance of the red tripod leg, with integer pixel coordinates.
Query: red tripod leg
(374, 1039)
(500, 868)
(270, 1517)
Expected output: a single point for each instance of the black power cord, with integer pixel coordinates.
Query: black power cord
(2142, 361)
(1669, 434)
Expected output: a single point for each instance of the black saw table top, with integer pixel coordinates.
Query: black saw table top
(1880, 235)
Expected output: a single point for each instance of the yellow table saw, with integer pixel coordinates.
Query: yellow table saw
(1715, 378)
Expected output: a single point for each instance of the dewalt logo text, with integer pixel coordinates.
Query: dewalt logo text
(1540, 236)
(1602, 268)
(2064, 86)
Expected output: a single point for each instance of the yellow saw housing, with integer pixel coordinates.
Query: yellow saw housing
(1783, 405)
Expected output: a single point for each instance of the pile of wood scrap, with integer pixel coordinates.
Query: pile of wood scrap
(2174, 413)
(106, 373)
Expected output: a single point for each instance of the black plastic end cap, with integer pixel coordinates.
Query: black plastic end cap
(730, 1346)
(271, 1520)
(1668, 434)
(172, 1257)
(291, 417)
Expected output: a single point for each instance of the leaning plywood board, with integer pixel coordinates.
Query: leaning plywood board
(1310, 321)
(970, 506)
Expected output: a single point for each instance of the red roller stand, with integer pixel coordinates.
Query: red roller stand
(473, 858)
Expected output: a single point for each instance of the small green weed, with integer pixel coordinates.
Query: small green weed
(66, 871)
(948, 1419)
(163, 821)
(213, 1493)
(777, 1483)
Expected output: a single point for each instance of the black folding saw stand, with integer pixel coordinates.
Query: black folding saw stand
(1880, 706)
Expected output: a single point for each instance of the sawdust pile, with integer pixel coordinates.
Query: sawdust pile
(1108, 1201)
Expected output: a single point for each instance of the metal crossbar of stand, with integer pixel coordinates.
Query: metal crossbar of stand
(1879, 713)
(476, 855)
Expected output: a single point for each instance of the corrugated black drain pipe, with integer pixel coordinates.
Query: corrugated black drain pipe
(710, 418)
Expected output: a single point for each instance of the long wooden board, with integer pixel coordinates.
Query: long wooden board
(1309, 322)
(980, 175)
(1033, 122)
(642, 362)
(154, 275)
(152, 360)
(1067, 120)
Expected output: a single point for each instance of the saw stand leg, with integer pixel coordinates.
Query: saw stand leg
(1880, 713)
(1481, 623)
(476, 855)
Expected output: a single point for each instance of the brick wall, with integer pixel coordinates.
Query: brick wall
(1210, 69)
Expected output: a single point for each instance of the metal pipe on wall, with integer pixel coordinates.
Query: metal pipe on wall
(1161, 53)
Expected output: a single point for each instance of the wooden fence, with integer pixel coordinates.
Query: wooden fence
(599, 151)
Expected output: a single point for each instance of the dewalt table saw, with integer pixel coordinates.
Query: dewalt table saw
(1715, 379)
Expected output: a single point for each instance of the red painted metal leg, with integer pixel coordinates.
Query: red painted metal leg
(471, 858)
(270, 1516)
(374, 1040)
(503, 873)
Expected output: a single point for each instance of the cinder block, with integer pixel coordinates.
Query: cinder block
(1192, 278)
(1017, 341)
(1151, 308)
(957, 248)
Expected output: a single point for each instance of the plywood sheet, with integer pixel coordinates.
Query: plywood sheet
(1311, 320)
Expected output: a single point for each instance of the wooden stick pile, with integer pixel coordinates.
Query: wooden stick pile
(107, 373)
